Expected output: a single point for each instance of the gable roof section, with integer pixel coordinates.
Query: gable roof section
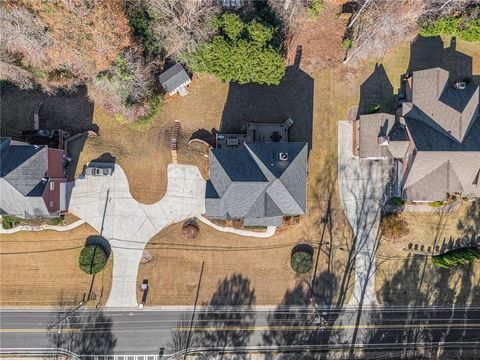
(268, 154)
(24, 167)
(238, 165)
(427, 137)
(15, 203)
(244, 186)
(372, 126)
(452, 109)
(173, 77)
(434, 174)
(436, 185)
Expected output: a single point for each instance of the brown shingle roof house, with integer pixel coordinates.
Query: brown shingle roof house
(434, 137)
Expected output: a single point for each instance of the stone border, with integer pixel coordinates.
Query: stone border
(42, 227)
(269, 233)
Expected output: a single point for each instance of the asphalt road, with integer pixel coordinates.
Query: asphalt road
(296, 328)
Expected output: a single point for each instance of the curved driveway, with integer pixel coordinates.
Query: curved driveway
(107, 205)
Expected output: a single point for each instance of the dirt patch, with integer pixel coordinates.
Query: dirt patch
(320, 39)
(40, 268)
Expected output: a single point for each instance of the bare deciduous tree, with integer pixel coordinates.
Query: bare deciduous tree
(380, 25)
(383, 24)
(182, 24)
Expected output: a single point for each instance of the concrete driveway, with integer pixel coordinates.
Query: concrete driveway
(363, 188)
(107, 205)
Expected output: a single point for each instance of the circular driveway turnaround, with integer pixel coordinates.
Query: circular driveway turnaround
(106, 204)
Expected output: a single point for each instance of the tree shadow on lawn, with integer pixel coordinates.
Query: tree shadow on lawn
(71, 111)
(470, 223)
(256, 103)
(417, 284)
(430, 52)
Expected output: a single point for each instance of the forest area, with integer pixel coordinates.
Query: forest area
(118, 48)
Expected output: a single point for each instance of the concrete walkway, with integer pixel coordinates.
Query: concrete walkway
(363, 185)
(42, 227)
(258, 234)
(107, 205)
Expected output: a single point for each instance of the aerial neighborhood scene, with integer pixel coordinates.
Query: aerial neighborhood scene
(240, 179)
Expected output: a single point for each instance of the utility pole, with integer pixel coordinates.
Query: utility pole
(193, 313)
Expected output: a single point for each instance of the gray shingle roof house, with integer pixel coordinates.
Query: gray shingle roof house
(434, 137)
(32, 180)
(257, 182)
(175, 80)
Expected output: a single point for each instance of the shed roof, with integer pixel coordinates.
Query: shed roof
(173, 77)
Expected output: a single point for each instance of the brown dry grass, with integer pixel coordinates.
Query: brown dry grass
(431, 228)
(412, 279)
(40, 268)
(174, 270)
(144, 155)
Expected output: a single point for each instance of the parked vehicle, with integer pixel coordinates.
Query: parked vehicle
(98, 171)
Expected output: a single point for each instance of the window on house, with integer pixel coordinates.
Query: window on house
(51, 203)
(52, 186)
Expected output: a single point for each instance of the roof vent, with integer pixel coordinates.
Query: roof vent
(383, 140)
(283, 156)
(461, 85)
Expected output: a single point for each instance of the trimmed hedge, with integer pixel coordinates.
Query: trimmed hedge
(92, 259)
(456, 257)
(301, 262)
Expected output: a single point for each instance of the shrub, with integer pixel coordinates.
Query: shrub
(468, 30)
(396, 201)
(444, 26)
(456, 257)
(190, 230)
(394, 226)
(55, 221)
(10, 221)
(347, 43)
(238, 55)
(314, 8)
(92, 259)
(372, 109)
(154, 104)
(436, 204)
(301, 262)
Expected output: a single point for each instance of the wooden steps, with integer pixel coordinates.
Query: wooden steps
(174, 141)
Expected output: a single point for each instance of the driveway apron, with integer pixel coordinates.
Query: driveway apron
(107, 205)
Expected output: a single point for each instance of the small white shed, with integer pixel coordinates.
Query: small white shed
(175, 80)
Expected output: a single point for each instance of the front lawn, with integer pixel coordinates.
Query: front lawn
(40, 268)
